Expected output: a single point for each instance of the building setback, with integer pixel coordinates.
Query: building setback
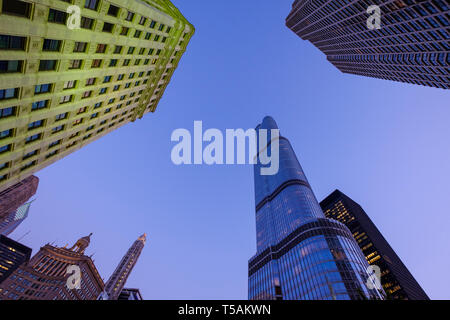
(396, 279)
(62, 88)
(12, 255)
(11, 222)
(116, 282)
(411, 45)
(15, 196)
(46, 275)
(301, 255)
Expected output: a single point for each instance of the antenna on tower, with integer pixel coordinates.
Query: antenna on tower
(23, 236)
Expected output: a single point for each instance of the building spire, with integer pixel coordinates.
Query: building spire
(81, 244)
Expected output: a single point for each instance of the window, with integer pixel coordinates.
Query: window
(103, 90)
(108, 110)
(70, 84)
(118, 49)
(6, 133)
(87, 23)
(51, 45)
(153, 24)
(148, 35)
(5, 148)
(137, 34)
(161, 27)
(7, 112)
(8, 93)
(57, 129)
(91, 4)
(65, 99)
(90, 81)
(156, 38)
(97, 105)
(82, 110)
(51, 154)
(47, 65)
(35, 124)
(108, 27)
(30, 154)
(10, 66)
(124, 31)
(101, 48)
(39, 105)
(86, 94)
(113, 62)
(107, 79)
(75, 64)
(61, 116)
(27, 166)
(57, 16)
(120, 77)
(142, 21)
(54, 143)
(4, 165)
(17, 8)
(33, 138)
(77, 122)
(131, 50)
(89, 128)
(113, 10)
(80, 47)
(126, 62)
(96, 63)
(94, 115)
(12, 42)
(116, 87)
(130, 16)
(42, 88)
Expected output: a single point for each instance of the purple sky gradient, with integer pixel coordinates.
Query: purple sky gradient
(385, 144)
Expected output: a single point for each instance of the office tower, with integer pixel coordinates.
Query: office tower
(116, 282)
(130, 294)
(396, 279)
(49, 275)
(411, 44)
(62, 88)
(11, 222)
(12, 255)
(301, 255)
(15, 196)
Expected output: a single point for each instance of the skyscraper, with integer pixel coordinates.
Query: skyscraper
(411, 44)
(396, 279)
(63, 88)
(116, 282)
(46, 275)
(301, 255)
(15, 196)
(11, 222)
(130, 294)
(12, 255)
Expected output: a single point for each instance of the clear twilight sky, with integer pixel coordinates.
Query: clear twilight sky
(385, 144)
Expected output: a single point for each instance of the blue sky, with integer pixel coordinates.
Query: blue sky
(384, 144)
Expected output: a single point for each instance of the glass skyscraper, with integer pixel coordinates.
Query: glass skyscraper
(396, 279)
(8, 225)
(411, 44)
(301, 255)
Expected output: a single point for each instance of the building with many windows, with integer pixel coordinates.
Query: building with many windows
(62, 88)
(15, 196)
(411, 45)
(114, 285)
(301, 255)
(11, 222)
(396, 279)
(12, 255)
(130, 294)
(47, 275)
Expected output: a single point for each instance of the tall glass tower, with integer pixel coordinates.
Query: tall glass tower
(301, 255)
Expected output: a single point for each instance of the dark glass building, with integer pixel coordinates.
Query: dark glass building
(301, 255)
(411, 44)
(396, 279)
(130, 294)
(12, 255)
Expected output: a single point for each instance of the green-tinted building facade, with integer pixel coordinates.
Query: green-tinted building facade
(62, 88)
